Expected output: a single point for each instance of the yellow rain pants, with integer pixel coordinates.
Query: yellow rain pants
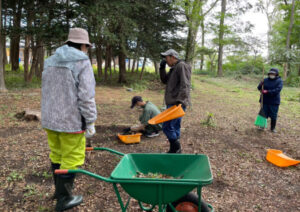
(66, 149)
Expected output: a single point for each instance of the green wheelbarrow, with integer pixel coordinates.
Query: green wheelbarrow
(189, 171)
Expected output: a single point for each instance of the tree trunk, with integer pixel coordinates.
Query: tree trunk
(99, 58)
(114, 62)
(133, 66)
(221, 35)
(143, 68)
(286, 67)
(33, 60)
(107, 61)
(90, 53)
(28, 38)
(5, 61)
(122, 67)
(129, 64)
(137, 65)
(156, 67)
(26, 57)
(39, 59)
(15, 37)
(2, 82)
(193, 25)
(202, 44)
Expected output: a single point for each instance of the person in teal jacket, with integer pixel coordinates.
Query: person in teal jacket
(149, 111)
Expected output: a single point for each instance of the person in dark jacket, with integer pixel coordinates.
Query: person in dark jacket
(271, 95)
(178, 81)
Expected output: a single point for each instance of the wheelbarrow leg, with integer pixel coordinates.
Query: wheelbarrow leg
(123, 208)
(160, 206)
(199, 198)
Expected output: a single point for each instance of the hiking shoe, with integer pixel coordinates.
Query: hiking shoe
(151, 135)
(274, 131)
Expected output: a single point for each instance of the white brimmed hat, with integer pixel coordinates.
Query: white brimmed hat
(79, 35)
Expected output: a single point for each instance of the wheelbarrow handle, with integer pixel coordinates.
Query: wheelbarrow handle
(104, 149)
(82, 171)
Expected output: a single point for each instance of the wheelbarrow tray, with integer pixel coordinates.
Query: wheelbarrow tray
(189, 171)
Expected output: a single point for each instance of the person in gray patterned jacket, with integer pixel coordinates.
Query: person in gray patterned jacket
(68, 111)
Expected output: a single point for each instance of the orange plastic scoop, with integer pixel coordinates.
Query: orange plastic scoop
(279, 159)
(130, 139)
(173, 112)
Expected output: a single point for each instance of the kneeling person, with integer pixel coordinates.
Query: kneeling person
(149, 111)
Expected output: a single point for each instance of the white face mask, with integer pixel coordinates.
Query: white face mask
(272, 76)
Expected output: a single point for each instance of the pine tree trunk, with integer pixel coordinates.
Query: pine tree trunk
(202, 44)
(5, 61)
(15, 37)
(122, 67)
(156, 67)
(129, 64)
(143, 68)
(33, 61)
(109, 61)
(106, 62)
(2, 82)
(99, 59)
(114, 62)
(133, 66)
(26, 57)
(39, 59)
(137, 65)
(221, 35)
(288, 38)
(193, 25)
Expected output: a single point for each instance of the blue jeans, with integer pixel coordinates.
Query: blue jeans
(172, 128)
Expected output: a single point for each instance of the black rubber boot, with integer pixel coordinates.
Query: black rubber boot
(53, 167)
(175, 146)
(64, 187)
(273, 125)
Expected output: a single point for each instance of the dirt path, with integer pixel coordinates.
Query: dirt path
(243, 179)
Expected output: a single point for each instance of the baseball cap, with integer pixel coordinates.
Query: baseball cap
(273, 71)
(134, 100)
(170, 52)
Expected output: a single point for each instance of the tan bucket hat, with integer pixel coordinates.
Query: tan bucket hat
(79, 35)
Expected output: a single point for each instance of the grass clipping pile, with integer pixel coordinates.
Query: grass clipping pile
(155, 176)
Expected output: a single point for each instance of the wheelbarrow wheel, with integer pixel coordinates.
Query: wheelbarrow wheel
(188, 203)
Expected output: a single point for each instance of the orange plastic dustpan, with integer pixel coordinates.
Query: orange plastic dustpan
(130, 139)
(279, 159)
(173, 112)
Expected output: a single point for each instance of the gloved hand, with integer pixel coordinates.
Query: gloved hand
(261, 83)
(90, 130)
(126, 130)
(178, 103)
(163, 64)
(264, 91)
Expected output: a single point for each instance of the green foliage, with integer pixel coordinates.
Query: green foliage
(30, 190)
(14, 176)
(243, 65)
(15, 80)
(209, 120)
(293, 80)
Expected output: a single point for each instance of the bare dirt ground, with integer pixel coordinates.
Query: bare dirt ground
(243, 179)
